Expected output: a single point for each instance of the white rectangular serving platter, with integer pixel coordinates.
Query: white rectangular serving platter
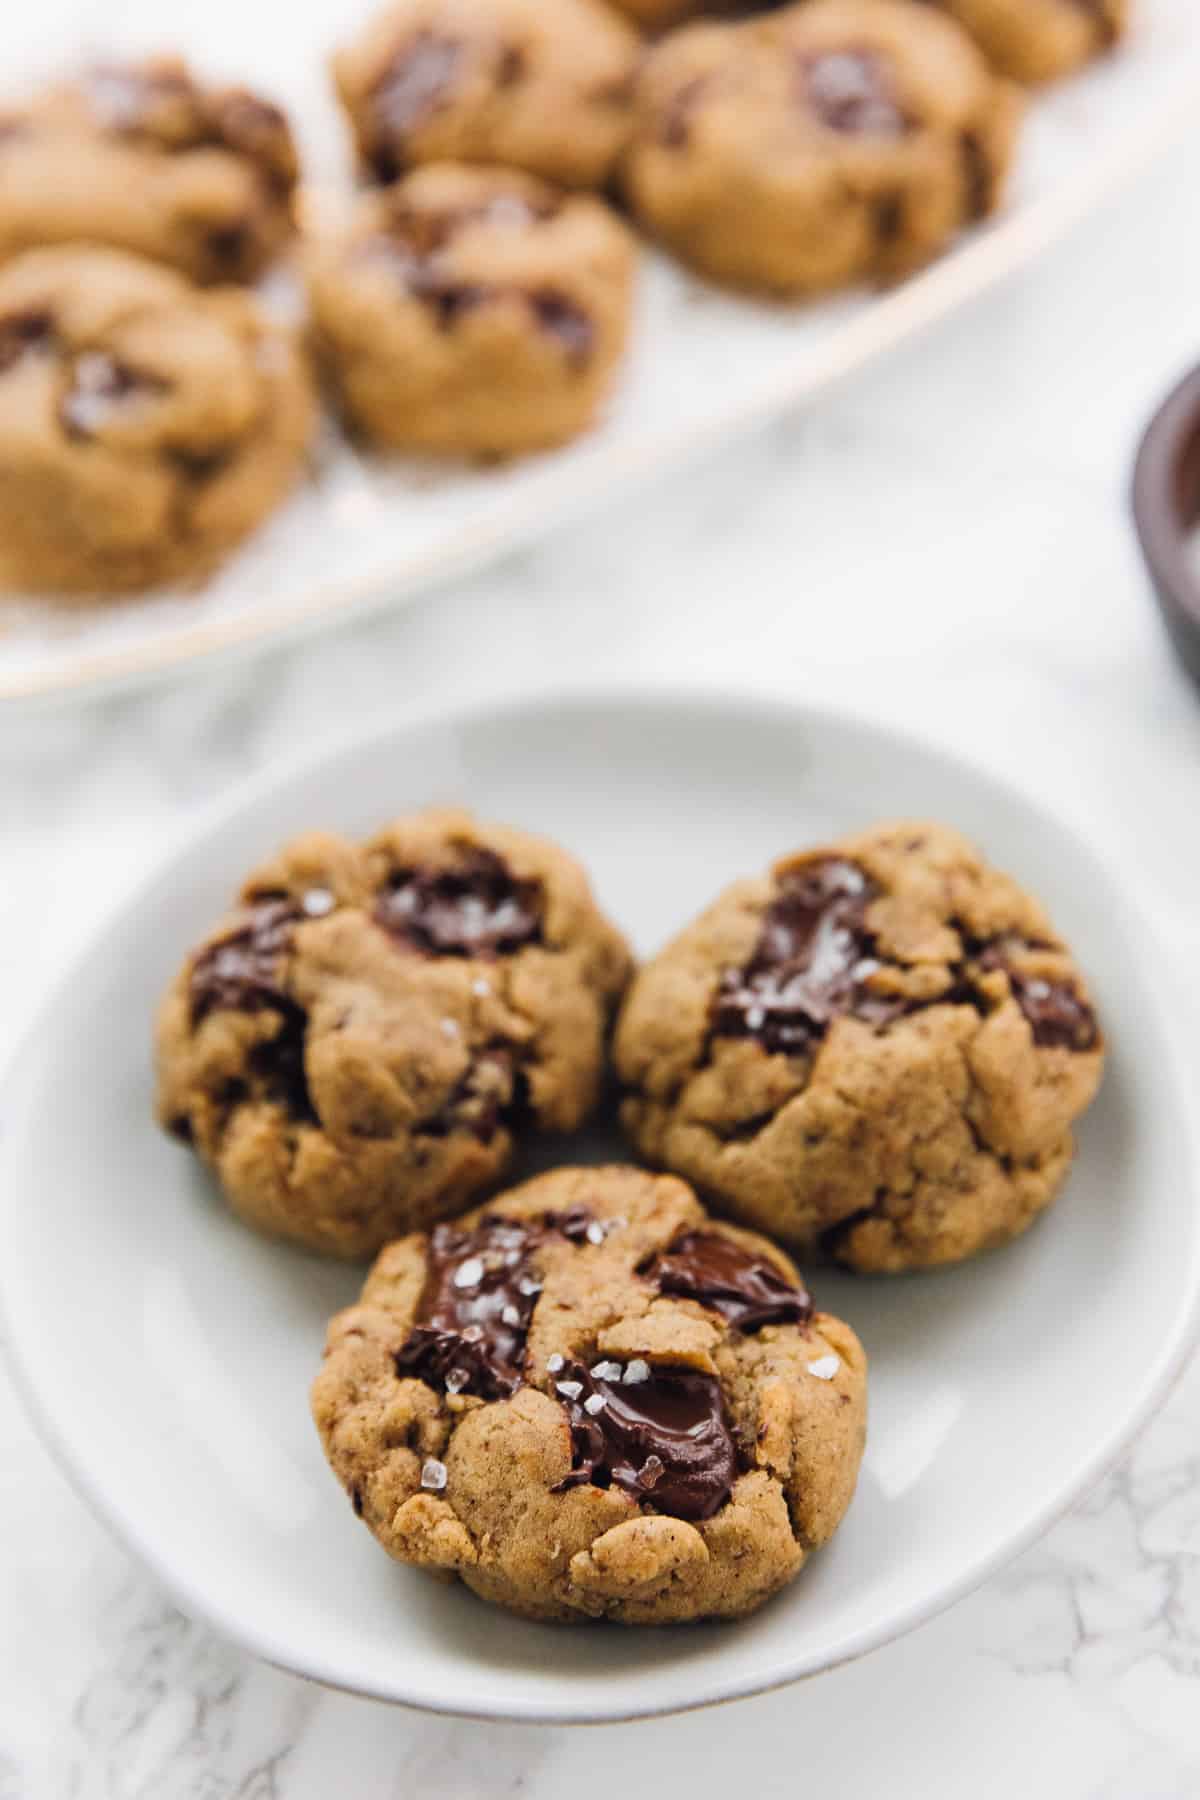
(704, 364)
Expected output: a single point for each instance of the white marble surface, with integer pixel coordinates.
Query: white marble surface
(946, 541)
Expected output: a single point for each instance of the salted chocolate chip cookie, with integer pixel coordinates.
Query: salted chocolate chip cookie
(473, 311)
(145, 426)
(842, 141)
(1040, 40)
(878, 1049)
(545, 89)
(143, 157)
(588, 1400)
(361, 1047)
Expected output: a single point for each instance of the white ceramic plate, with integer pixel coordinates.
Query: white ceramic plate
(704, 365)
(167, 1351)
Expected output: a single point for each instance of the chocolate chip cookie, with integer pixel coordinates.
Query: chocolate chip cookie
(363, 1045)
(545, 89)
(841, 141)
(146, 426)
(473, 311)
(588, 1400)
(878, 1049)
(1040, 40)
(143, 157)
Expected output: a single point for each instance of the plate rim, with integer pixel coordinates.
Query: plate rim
(651, 693)
(982, 260)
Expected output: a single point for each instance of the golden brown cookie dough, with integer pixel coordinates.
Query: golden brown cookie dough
(546, 89)
(364, 1044)
(879, 1049)
(145, 426)
(473, 311)
(142, 157)
(1041, 40)
(841, 141)
(588, 1400)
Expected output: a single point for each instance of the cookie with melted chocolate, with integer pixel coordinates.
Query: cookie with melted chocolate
(473, 311)
(819, 145)
(145, 157)
(508, 83)
(878, 1049)
(146, 427)
(587, 1399)
(364, 1044)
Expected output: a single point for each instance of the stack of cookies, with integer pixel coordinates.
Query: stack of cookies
(598, 1395)
(476, 299)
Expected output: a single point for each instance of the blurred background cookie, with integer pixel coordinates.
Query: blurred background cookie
(362, 1045)
(475, 311)
(144, 157)
(588, 1400)
(146, 426)
(822, 145)
(1040, 40)
(879, 1048)
(545, 89)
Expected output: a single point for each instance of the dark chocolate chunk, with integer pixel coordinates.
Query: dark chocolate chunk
(851, 91)
(476, 909)
(229, 245)
(978, 176)
(675, 124)
(810, 965)
(22, 334)
(243, 971)
(101, 386)
(415, 83)
(572, 1224)
(278, 1064)
(471, 1326)
(664, 1440)
(493, 1092)
(1057, 1014)
(1060, 1017)
(566, 321)
(257, 130)
(747, 1290)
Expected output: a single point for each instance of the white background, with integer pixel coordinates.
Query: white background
(945, 541)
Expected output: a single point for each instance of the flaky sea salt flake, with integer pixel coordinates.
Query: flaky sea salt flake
(825, 1367)
(433, 1475)
(470, 1273)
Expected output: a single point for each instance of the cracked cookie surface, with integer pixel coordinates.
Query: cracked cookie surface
(547, 90)
(473, 311)
(877, 1049)
(143, 157)
(1040, 40)
(842, 141)
(362, 1047)
(589, 1400)
(146, 426)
